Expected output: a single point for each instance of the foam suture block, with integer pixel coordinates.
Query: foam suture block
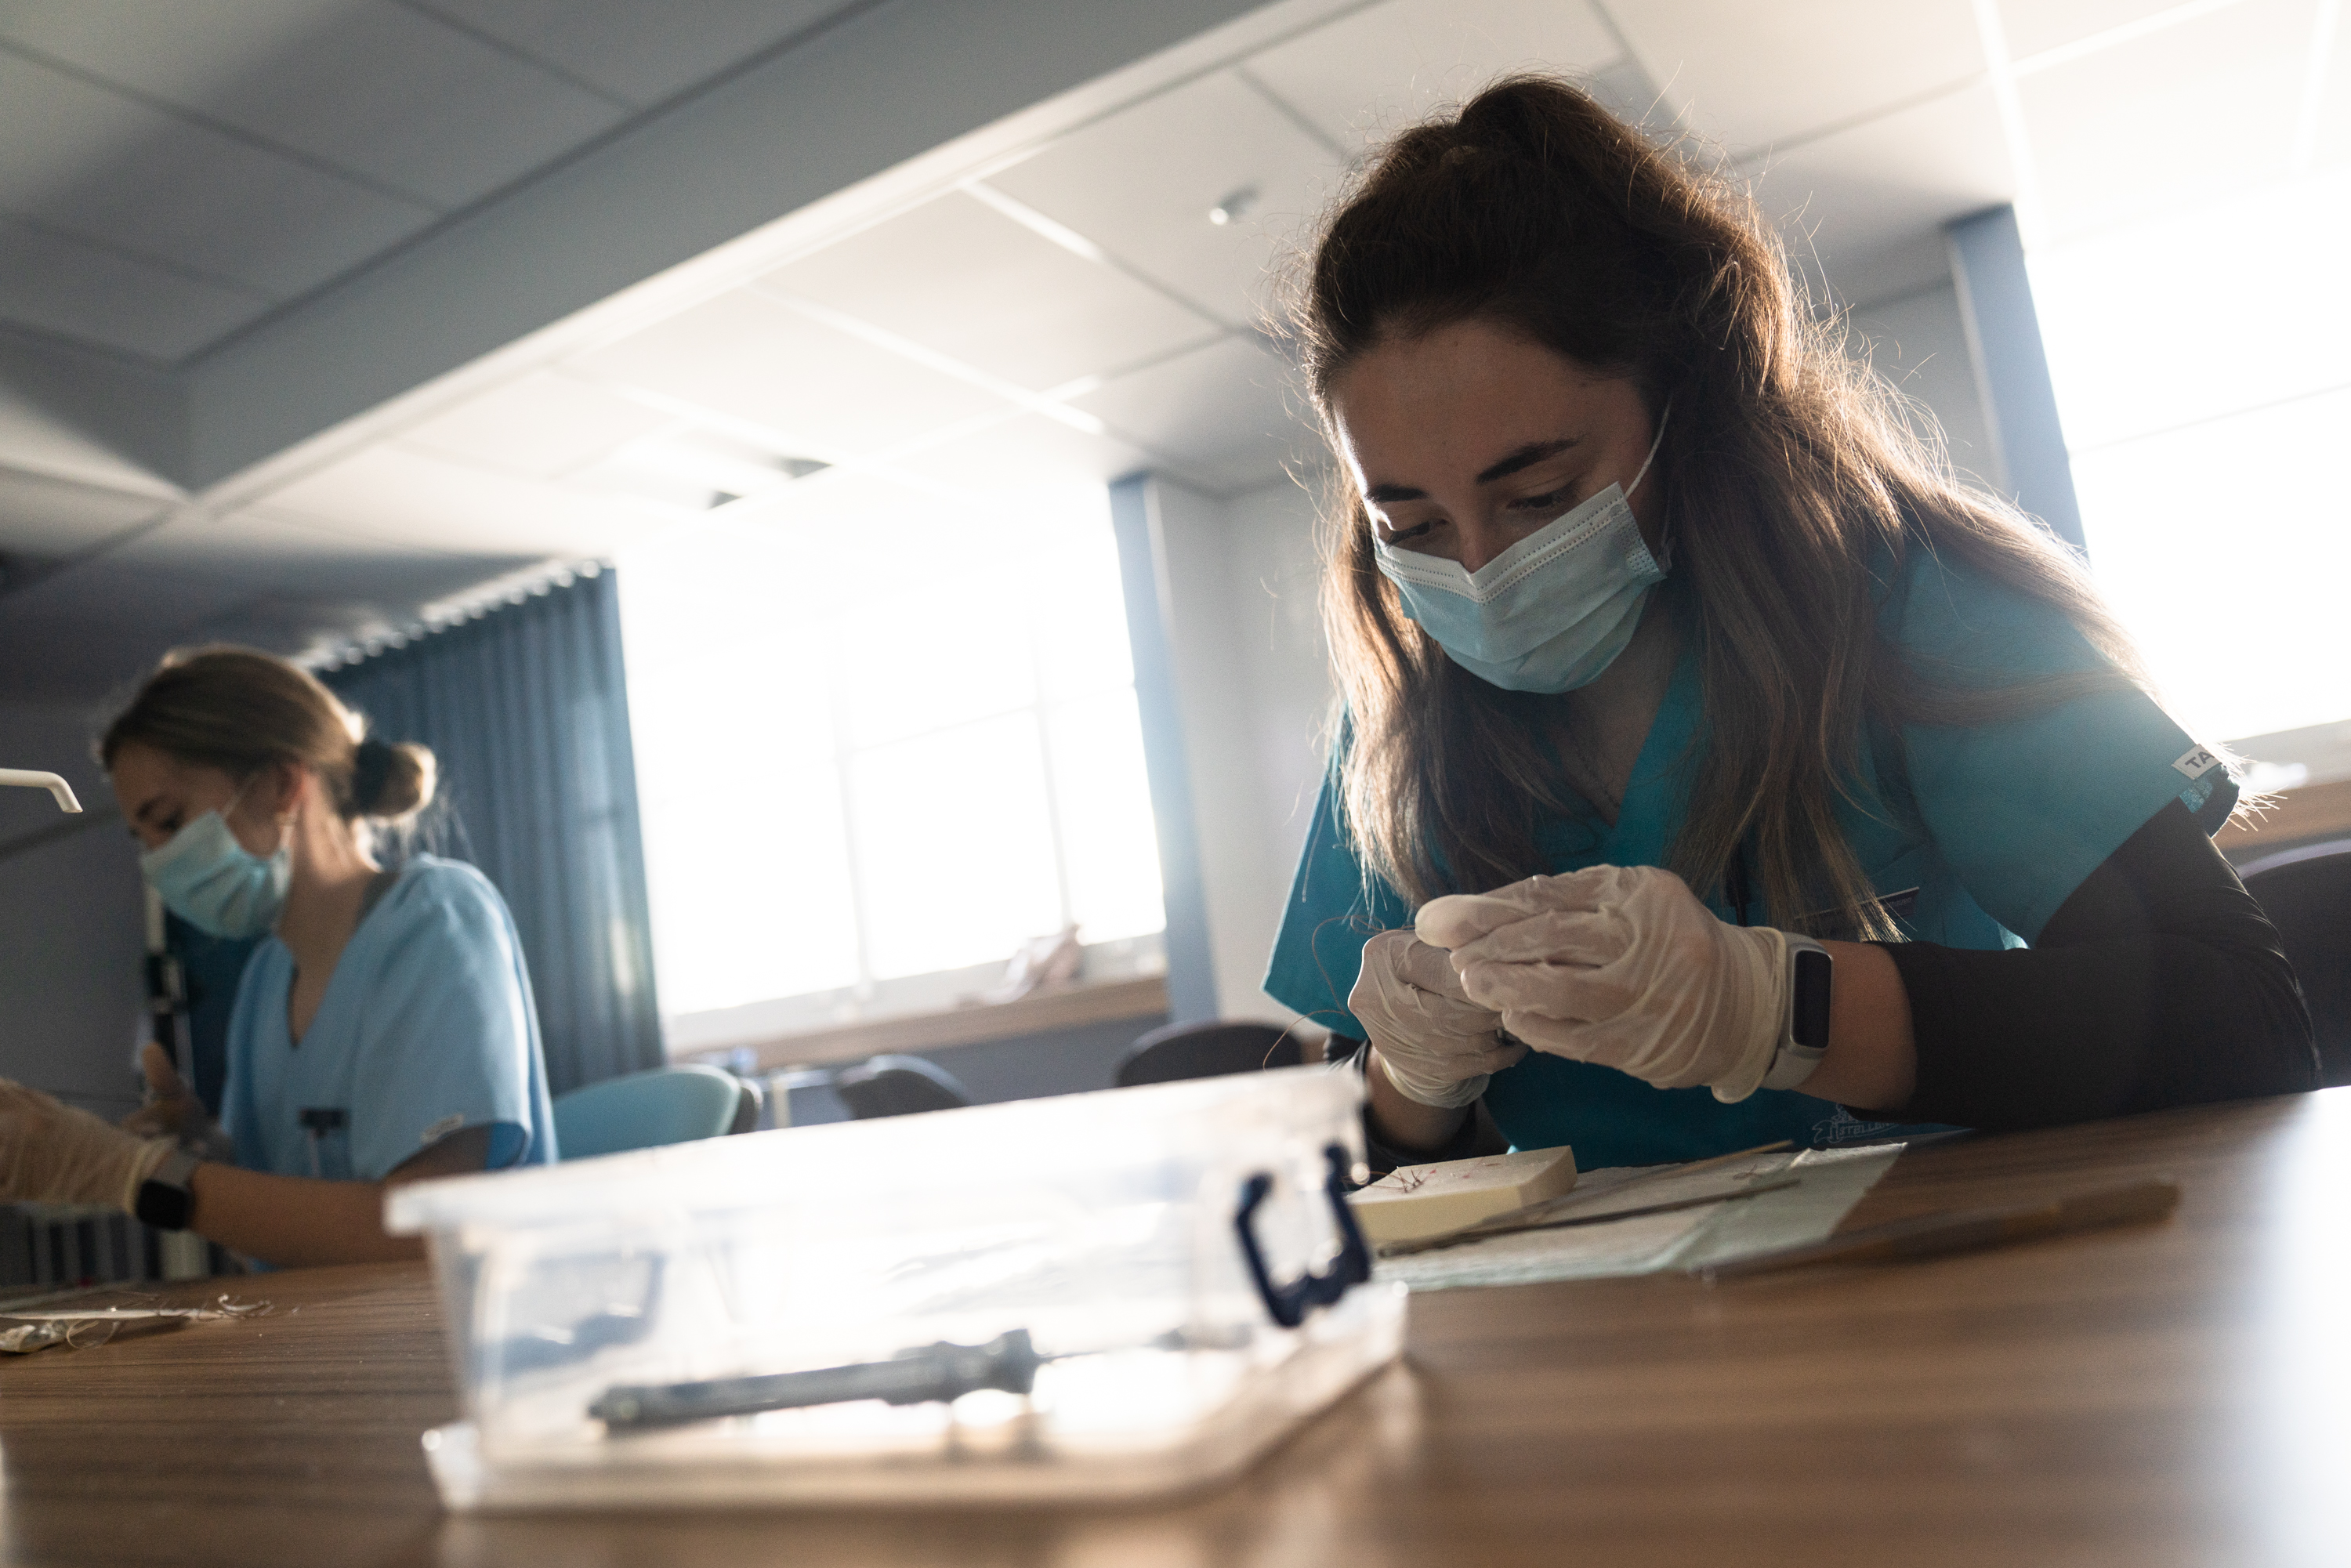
(1414, 1201)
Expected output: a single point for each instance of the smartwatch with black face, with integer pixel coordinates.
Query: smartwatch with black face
(165, 1200)
(1806, 1038)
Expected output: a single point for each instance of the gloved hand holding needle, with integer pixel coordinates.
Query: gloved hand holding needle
(1623, 967)
(173, 1110)
(1437, 1046)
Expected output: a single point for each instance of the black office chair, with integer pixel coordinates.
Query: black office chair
(1184, 1050)
(2307, 894)
(898, 1087)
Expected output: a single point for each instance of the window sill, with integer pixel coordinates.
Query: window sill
(1067, 1007)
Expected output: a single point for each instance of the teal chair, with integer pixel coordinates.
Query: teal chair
(645, 1110)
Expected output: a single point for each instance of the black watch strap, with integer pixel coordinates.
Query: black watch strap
(165, 1201)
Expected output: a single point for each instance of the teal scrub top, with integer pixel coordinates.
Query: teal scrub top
(1993, 826)
(427, 1027)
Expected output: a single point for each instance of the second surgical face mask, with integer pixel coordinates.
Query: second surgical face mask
(1549, 613)
(217, 885)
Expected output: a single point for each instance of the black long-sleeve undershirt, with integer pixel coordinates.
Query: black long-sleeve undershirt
(2158, 982)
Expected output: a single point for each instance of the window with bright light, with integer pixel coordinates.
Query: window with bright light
(2203, 362)
(877, 745)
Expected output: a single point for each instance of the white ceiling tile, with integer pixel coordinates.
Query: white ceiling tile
(1382, 67)
(2196, 111)
(2177, 320)
(844, 521)
(1140, 184)
(2331, 136)
(397, 496)
(38, 437)
(751, 357)
(539, 426)
(2033, 25)
(374, 88)
(1229, 416)
(88, 160)
(260, 553)
(1862, 209)
(1749, 75)
(1033, 452)
(45, 517)
(616, 45)
(55, 284)
(964, 281)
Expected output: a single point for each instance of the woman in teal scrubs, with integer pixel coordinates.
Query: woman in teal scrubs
(1716, 768)
(384, 1031)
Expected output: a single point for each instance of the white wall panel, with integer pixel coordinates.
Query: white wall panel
(71, 924)
(1253, 688)
(1919, 343)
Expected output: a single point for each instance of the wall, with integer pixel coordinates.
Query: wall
(1253, 683)
(1027, 1067)
(1919, 342)
(72, 943)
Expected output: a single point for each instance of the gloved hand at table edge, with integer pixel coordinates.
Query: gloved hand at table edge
(52, 1153)
(1624, 966)
(173, 1111)
(1434, 1045)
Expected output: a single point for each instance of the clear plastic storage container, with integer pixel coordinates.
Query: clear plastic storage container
(1097, 1296)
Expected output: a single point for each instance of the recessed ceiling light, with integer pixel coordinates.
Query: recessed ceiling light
(1235, 206)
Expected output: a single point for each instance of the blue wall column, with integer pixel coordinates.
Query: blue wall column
(1191, 969)
(2012, 368)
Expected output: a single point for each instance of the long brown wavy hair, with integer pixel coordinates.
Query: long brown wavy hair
(1790, 469)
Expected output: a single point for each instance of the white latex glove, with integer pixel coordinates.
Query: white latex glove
(173, 1111)
(1434, 1045)
(51, 1152)
(1622, 966)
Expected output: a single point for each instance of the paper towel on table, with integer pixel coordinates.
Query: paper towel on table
(1831, 1182)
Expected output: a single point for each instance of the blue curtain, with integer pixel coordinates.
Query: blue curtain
(527, 709)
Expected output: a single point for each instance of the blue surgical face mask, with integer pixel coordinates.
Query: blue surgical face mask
(217, 885)
(1549, 613)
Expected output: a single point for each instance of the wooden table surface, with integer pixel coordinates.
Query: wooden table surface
(2177, 1394)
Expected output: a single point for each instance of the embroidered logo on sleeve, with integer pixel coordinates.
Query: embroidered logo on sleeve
(443, 1128)
(2197, 763)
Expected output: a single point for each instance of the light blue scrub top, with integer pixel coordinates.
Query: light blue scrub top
(1995, 825)
(427, 1027)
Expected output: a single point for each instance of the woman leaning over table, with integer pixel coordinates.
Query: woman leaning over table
(383, 1031)
(1675, 663)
